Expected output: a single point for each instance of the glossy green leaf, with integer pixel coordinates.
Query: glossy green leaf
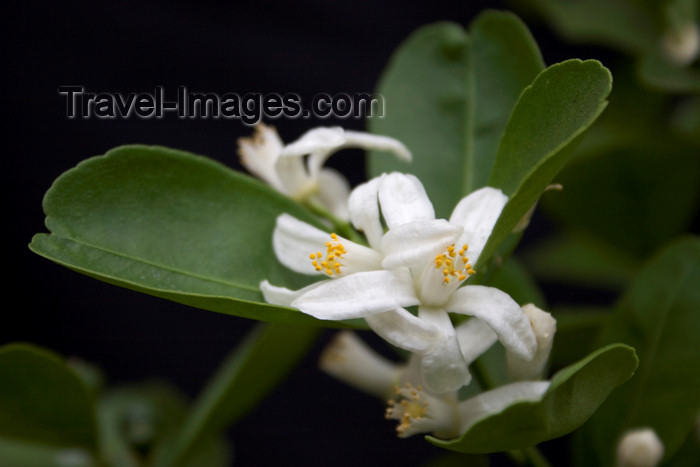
(574, 394)
(243, 380)
(171, 224)
(43, 402)
(659, 316)
(449, 94)
(546, 125)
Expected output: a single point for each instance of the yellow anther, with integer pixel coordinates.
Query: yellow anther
(449, 263)
(332, 262)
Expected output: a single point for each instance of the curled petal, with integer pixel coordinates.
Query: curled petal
(316, 140)
(501, 313)
(544, 327)
(478, 213)
(378, 143)
(364, 211)
(496, 400)
(281, 295)
(403, 199)
(475, 337)
(359, 295)
(404, 330)
(416, 243)
(443, 367)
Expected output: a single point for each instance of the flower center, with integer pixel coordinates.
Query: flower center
(409, 409)
(454, 264)
(334, 255)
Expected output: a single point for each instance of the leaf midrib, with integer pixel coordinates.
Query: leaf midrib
(158, 266)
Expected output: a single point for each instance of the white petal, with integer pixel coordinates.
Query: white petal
(359, 295)
(281, 295)
(403, 199)
(475, 338)
(321, 139)
(333, 193)
(496, 400)
(443, 367)
(364, 211)
(259, 153)
(544, 327)
(416, 243)
(350, 360)
(369, 141)
(293, 241)
(478, 213)
(405, 330)
(501, 313)
(296, 181)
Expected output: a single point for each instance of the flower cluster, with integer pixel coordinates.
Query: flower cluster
(407, 279)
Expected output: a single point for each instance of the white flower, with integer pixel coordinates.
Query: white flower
(288, 169)
(640, 448)
(419, 261)
(417, 408)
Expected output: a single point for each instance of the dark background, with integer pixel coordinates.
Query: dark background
(302, 47)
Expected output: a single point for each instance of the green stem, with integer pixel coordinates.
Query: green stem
(341, 227)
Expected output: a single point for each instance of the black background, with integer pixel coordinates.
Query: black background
(302, 47)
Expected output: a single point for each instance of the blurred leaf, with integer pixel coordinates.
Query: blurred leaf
(659, 316)
(577, 331)
(517, 282)
(449, 94)
(625, 24)
(655, 70)
(139, 422)
(171, 224)
(549, 120)
(42, 402)
(575, 259)
(243, 380)
(574, 394)
(634, 199)
(15, 453)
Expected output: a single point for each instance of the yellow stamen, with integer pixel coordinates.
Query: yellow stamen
(452, 267)
(333, 258)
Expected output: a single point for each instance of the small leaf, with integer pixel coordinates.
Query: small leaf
(43, 402)
(449, 95)
(546, 125)
(242, 381)
(171, 224)
(574, 394)
(659, 316)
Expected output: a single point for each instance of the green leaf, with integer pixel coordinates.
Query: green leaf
(174, 225)
(449, 94)
(659, 316)
(43, 402)
(18, 453)
(242, 381)
(574, 394)
(548, 122)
